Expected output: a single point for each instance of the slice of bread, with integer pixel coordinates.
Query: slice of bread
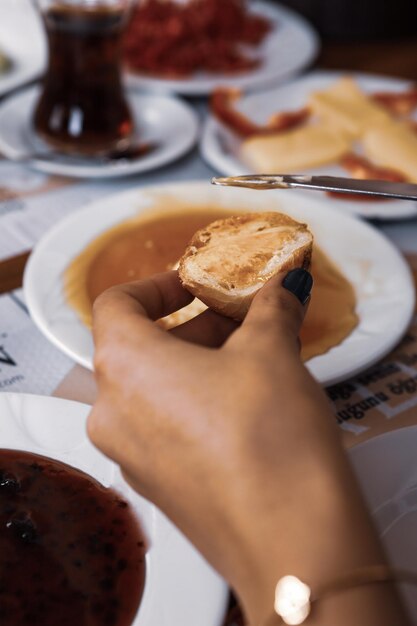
(226, 263)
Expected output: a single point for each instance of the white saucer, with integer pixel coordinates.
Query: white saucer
(292, 45)
(180, 587)
(386, 467)
(379, 274)
(217, 151)
(22, 39)
(165, 121)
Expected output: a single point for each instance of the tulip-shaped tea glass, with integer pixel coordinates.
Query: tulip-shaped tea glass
(82, 108)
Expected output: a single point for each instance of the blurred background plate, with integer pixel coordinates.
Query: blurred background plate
(380, 276)
(23, 40)
(289, 48)
(386, 467)
(219, 151)
(180, 587)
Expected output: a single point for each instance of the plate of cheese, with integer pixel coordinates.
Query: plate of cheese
(358, 126)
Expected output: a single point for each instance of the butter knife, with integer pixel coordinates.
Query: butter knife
(382, 188)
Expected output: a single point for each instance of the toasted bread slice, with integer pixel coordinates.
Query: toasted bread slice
(226, 263)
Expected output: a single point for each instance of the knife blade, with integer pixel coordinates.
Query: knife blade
(381, 188)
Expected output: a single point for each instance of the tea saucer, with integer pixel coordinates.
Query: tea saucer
(164, 121)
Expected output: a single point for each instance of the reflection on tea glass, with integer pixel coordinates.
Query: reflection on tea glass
(82, 108)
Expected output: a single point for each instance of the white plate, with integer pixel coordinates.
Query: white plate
(292, 45)
(180, 587)
(387, 470)
(379, 274)
(166, 121)
(21, 38)
(217, 150)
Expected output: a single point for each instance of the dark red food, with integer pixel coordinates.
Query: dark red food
(399, 104)
(71, 552)
(222, 105)
(359, 167)
(176, 40)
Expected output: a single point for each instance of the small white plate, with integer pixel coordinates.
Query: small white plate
(381, 278)
(386, 467)
(23, 40)
(165, 121)
(180, 587)
(221, 153)
(292, 45)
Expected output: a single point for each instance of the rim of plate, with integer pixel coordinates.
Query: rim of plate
(18, 106)
(166, 542)
(228, 164)
(305, 51)
(361, 349)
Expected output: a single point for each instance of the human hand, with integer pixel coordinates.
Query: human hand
(219, 425)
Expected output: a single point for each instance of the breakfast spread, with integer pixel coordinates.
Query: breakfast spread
(154, 241)
(71, 549)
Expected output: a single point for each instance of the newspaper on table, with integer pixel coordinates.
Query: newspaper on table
(28, 362)
(383, 397)
(380, 399)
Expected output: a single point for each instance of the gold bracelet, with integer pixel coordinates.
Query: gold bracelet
(294, 599)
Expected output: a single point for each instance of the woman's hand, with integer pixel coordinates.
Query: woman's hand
(225, 430)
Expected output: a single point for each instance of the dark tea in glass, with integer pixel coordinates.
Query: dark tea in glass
(82, 108)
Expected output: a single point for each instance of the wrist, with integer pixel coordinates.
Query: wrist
(315, 532)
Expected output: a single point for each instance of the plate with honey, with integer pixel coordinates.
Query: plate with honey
(362, 301)
(324, 123)
(79, 545)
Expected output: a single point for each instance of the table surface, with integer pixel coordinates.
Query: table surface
(397, 59)
(392, 58)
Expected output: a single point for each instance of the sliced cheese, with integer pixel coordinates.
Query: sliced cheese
(346, 107)
(394, 146)
(294, 150)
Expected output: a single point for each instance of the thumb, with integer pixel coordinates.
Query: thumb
(277, 311)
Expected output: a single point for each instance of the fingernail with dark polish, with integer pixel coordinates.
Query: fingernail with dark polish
(300, 283)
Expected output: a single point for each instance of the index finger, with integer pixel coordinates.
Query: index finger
(139, 303)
